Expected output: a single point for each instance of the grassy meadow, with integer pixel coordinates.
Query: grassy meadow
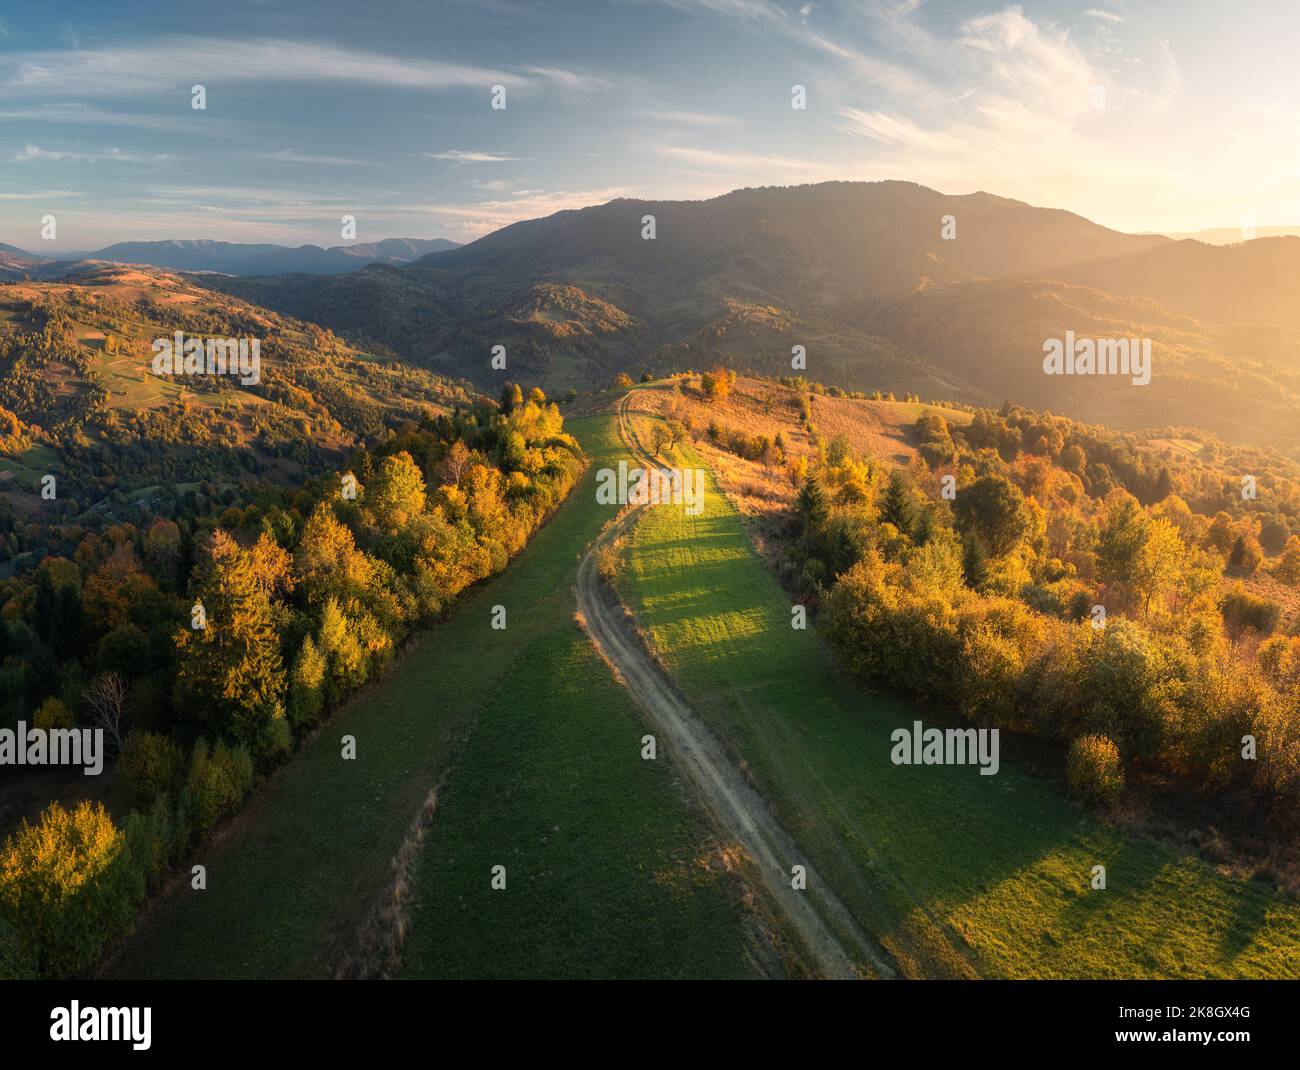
(611, 871)
(958, 874)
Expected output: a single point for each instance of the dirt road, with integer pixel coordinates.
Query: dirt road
(839, 947)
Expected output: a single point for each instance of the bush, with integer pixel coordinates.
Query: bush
(1243, 610)
(992, 662)
(1093, 770)
(218, 781)
(155, 840)
(14, 962)
(276, 738)
(1127, 677)
(1277, 732)
(149, 766)
(66, 888)
(52, 713)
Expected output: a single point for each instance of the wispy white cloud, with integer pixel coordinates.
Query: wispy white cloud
(575, 81)
(175, 63)
(252, 194)
(483, 217)
(689, 118)
(75, 113)
(740, 163)
(39, 195)
(35, 152)
(992, 101)
(870, 70)
(294, 156)
(893, 129)
(1038, 70)
(471, 156)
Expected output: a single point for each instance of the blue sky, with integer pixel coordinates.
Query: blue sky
(1168, 116)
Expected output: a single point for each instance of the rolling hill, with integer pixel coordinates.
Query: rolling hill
(992, 333)
(862, 276)
(15, 262)
(1252, 282)
(818, 256)
(78, 396)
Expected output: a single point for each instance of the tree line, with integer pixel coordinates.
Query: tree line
(212, 641)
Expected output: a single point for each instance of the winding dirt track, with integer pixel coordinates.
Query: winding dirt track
(839, 948)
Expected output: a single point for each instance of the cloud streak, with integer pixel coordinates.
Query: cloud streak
(471, 156)
(177, 63)
(34, 152)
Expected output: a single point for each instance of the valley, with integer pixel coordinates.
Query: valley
(956, 875)
(535, 757)
(424, 753)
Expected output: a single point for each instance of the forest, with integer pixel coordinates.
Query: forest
(1130, 599)
(207, 642)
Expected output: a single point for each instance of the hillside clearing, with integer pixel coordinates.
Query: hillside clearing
(605, 852)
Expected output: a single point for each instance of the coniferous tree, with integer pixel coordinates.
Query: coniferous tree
(974, 561)
(65, 637)
(897, 507)
(512, 397)
(811, 503)
(1164, 485)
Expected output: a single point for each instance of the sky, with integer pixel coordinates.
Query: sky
(1160, 116)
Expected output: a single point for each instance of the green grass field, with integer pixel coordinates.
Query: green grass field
(958, 874)
(610, 870)
(30, 466)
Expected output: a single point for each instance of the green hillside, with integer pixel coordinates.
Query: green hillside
(958, 874)
(610, 869)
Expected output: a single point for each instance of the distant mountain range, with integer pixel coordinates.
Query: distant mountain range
(236, 258)
(885, 285)
(1235, 235)
(1253, 282)
(13, 261)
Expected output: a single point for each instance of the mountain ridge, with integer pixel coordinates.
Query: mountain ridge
(885, 285)
(244, 258)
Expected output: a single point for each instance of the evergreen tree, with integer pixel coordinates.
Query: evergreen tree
(992, 508)
(307, 685)
(65, 636)
(897, 506)
(43, 605)
(811, 504)
(974, 561)
(1164, 485)
(512, 397)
